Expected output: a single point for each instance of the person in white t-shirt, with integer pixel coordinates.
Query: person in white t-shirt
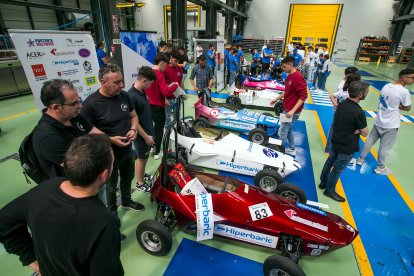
(198, 50)
(394, 97)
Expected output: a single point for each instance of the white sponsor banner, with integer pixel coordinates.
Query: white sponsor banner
(205, 217)
(245, 235)
(220, 63)
(47, 55)
(193, 187)
(138, 49)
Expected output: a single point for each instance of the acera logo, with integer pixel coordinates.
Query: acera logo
(33, 55)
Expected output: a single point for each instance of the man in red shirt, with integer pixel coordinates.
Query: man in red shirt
(172, 73)
(294, 97)
(157, 93)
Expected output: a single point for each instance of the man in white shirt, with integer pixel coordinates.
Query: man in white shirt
(198, 50)
(394, 97)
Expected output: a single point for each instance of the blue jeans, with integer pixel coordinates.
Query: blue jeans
(232, 77)
(334, 166)
(315, 78)
(168, 110)
(328, 146)
(322, 81)
(285, 131)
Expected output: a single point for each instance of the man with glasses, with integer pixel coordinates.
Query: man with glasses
(59, 125)
(110, 109)
(394, 97)
(294, 97)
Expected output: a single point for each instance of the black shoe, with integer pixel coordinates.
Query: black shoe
(322, 185)
(123, 237)
(134, 206)
(334, 196)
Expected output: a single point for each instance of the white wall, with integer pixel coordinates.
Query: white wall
(269, 18)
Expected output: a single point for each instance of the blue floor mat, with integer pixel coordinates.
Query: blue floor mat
(193, 258)
(304, 177)
(380, 84)
(365, 74)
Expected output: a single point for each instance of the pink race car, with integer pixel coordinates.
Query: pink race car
(264, 84)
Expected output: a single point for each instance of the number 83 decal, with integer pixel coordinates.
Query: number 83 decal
(260, 211)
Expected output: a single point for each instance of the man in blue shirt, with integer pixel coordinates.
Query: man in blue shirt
(226, 63)
(211, 57)
(298, 58)
(233, 65)
(255, 61)
(267, 53)
(239, 54)
(102, 59)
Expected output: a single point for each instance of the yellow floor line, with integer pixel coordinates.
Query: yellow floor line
(309, 96)
(18, 115)
(361, 254)
(394, 182)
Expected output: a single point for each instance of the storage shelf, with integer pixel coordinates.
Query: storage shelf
(376, 48)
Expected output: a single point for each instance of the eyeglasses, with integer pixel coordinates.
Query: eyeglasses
(77, 102)
(109, 68)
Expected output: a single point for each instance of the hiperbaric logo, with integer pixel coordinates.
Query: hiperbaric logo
(205, 217)
(236, 167)
(245, 235)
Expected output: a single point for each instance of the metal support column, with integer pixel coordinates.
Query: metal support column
(29, 14)
(179, 20)
(405, 8)
(229, 23)
(240, 21)
(3, 29)
(211, 21)
(60, 17)
(97, 20)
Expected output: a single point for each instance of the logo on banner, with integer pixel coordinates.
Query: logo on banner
(55, 52)
(90, 81)
(79, 88)
(205, 217)
(40, 42)
(67, 61)
(67, 72)
(84, 52)
(39, 72)
(74, 42)
(33, 55)
(87, 66)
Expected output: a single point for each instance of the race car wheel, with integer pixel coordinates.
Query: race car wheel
(267, 180)
(234, 101)
(278, 148)
(154, 237)
(259, 136)
(291, 191)
(280, 265)
(278, 108)
(201, 122)
(171, 159)
(268, 114)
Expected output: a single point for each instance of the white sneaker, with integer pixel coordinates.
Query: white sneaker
(152, 150)
(360, 161)
(290, 151)
(382, 171)
(158, 156)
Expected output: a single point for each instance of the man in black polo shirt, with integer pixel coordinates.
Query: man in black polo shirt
(59, 125)
(146, 134)
(349, 123)
(110, 110)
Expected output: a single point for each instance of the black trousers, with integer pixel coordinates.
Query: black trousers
(158, 117)
(124, 167)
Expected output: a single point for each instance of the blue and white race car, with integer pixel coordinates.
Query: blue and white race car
(257, 126)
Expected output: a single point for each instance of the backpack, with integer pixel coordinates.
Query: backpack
(29, 162)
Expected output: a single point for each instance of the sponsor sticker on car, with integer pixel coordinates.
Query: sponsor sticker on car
(239, 125)
(215, 112)
(293, 216)
(309, 208)
(270, 153)
(235, 167)
(245, 235)
(205, 217)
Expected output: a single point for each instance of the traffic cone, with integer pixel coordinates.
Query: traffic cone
(379, 60)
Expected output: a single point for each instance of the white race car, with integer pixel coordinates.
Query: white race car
(210, 148)
(256, 99)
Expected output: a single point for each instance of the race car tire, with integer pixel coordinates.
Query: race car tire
(171, 159)
(234, 101)
(278, 108)
(202, 122)
(278, 148)
(154, 237)
(268, 114)
(292, 192)
(280, 265)
(259, 136)
(268, 180)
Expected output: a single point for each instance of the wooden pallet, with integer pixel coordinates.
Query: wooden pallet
(364, 59)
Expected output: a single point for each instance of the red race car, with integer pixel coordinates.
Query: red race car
(213, 205)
